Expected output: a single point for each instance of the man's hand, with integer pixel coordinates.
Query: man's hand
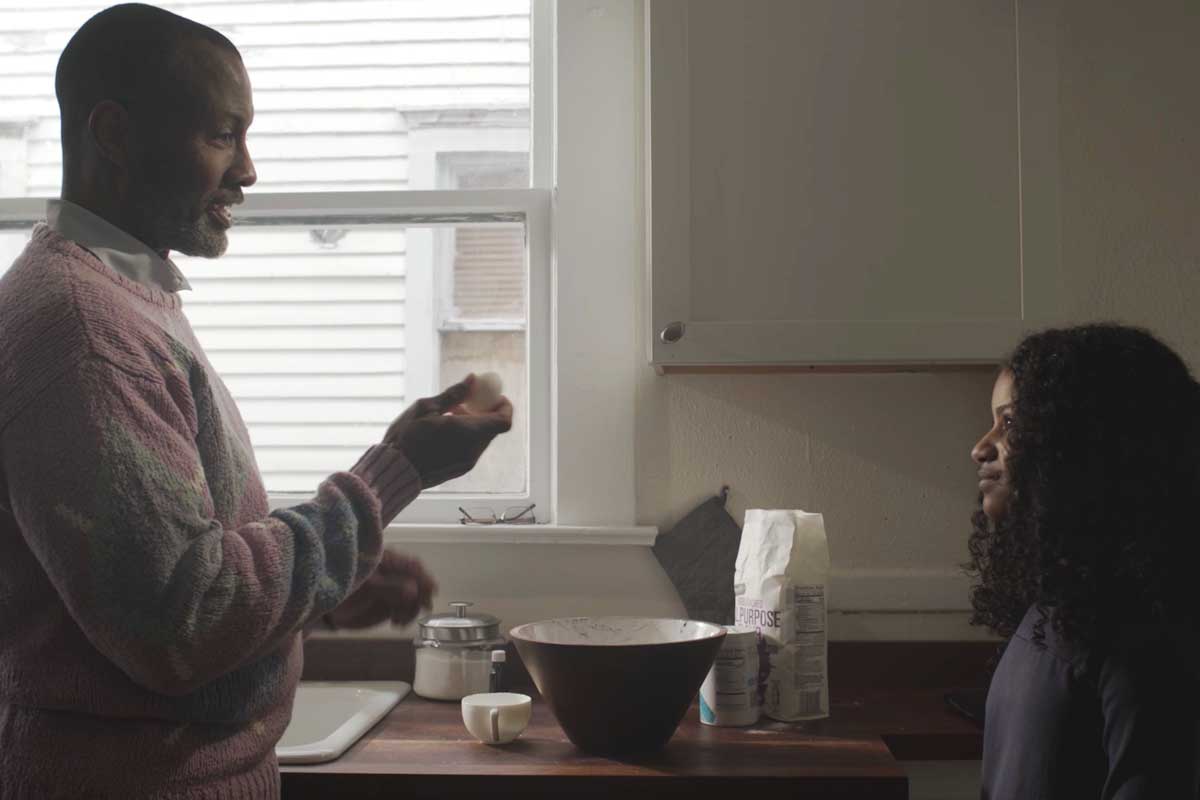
(397, 590)
(444, 440)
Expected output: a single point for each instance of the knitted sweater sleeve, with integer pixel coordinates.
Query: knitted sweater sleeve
(116, 500)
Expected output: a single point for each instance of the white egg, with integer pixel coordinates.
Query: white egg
(485, 394)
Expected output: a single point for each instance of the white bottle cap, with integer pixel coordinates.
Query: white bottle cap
(499, 656)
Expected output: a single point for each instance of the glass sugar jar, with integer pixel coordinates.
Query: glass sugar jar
(454, 653)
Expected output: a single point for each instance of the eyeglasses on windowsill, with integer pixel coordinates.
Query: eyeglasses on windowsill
(513, 515)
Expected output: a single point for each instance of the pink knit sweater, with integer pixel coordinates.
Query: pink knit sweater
(151, 606)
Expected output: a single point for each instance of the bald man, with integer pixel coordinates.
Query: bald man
(152, 606)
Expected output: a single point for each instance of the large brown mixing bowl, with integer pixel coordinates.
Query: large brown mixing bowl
(618, 685)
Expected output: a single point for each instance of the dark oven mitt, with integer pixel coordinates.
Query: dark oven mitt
(698, 555)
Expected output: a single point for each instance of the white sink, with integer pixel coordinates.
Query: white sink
(329, 717)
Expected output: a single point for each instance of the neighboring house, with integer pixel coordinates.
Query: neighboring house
(313, 328)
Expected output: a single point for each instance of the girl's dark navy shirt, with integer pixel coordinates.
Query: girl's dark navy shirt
(1115, 723)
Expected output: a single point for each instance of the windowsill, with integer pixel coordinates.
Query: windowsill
(635, 536)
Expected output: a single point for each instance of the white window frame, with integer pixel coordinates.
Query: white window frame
(588, 99)
(531, 206)
(602, 379)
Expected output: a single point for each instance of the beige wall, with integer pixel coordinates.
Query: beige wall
(885, 457)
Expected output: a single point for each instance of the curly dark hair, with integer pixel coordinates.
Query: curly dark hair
(1100, 532)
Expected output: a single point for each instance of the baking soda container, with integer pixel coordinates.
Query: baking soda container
(729, 695)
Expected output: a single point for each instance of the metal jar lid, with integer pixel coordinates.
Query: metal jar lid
(459, 627)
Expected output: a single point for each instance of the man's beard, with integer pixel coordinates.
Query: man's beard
(168, 223)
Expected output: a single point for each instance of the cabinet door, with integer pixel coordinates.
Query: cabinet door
(850, 182)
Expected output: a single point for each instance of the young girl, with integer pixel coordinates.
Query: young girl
(1086, 547)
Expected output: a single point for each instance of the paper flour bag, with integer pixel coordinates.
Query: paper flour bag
(779, 588)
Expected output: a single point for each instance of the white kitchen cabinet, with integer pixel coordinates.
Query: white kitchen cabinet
(850, 182)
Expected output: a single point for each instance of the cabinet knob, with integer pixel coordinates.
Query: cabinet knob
(672, 333)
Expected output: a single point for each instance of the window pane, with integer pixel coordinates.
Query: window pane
(502, 352)
(325, 335)
(349, 94)
(488, 274)
(11, 244)
(489, 283)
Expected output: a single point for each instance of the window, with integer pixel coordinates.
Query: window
(398, 235)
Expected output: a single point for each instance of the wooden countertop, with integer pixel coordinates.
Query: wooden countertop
(422, 749)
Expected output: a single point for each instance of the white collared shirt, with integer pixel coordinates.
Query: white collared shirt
(114, 247)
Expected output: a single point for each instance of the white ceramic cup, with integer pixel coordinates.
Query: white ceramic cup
(497, 717)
